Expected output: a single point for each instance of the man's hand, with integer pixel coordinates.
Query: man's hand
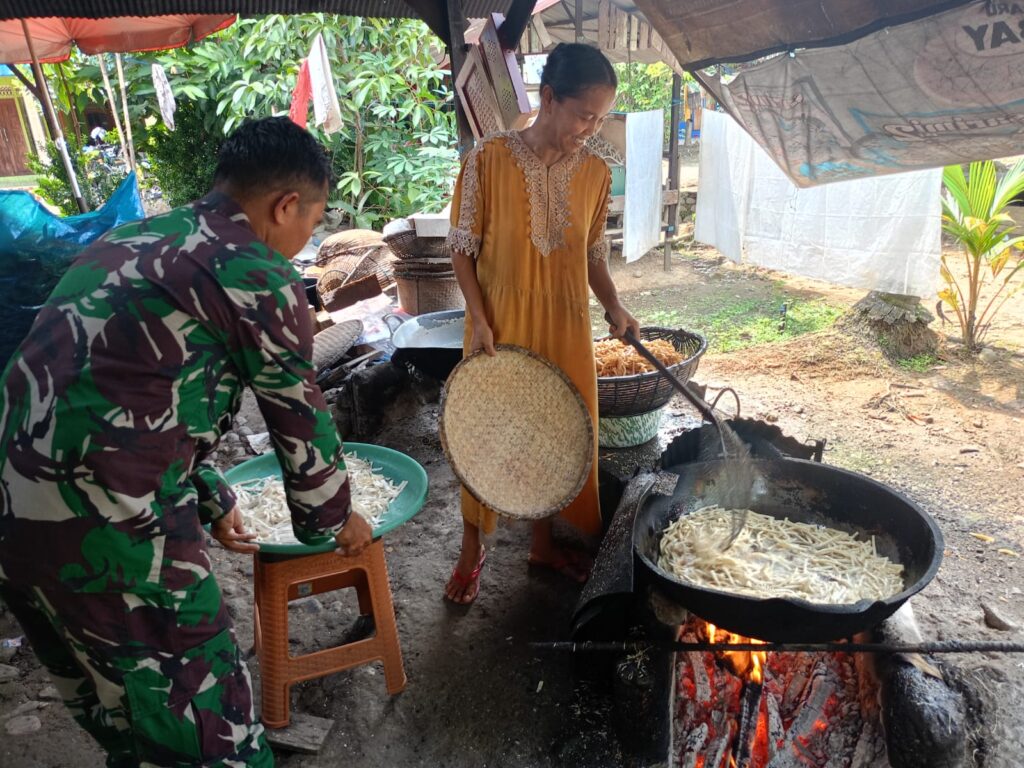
(230, 532)
(355, 536)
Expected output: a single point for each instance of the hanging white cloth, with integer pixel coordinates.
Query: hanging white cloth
(326, 110)
(164, 96)
(881, 233)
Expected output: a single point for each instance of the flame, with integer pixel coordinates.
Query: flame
(748, 665)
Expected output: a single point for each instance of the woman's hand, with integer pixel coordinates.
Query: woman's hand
(230, 532)
(483, 338)
(619, 320)
(355, 535)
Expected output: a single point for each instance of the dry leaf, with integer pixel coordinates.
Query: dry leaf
(1009, 552)
(983, 537)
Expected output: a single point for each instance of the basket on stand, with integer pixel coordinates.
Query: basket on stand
(419, 292)
(619, 396)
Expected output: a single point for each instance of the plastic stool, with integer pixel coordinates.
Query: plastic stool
(279, 579)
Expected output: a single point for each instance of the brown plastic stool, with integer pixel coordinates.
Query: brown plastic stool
(281, 578)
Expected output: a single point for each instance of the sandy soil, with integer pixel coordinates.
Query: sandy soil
(478, 696)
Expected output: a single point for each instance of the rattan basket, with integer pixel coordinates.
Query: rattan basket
(347, 241)
(632, 395)
(349, 266)
(419, 294)
(408, 245)
(516, 432)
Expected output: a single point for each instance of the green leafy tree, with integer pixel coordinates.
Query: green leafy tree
(395, 153)
(184, 160)
(973, 213)
(644, 87)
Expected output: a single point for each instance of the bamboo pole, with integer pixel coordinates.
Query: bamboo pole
(127, 122)
(113, 108)
(51, 117)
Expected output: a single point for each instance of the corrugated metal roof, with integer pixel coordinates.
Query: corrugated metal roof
(98, 9)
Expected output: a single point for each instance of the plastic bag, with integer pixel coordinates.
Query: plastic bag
(36, 247)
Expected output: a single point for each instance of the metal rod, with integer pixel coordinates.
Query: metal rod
(51, 116)
(949, 646)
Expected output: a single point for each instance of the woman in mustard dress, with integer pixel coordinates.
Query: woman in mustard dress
(527, 239)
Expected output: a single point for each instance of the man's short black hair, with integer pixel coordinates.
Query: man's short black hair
(269, 154)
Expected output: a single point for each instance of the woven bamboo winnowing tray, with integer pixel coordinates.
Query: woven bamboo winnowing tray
(516, 432)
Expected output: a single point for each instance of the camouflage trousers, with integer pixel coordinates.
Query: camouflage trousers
(157, 679)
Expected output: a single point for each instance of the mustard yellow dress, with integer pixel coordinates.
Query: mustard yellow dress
(533, 229)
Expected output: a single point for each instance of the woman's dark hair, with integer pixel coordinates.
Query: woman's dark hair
(271, 153)
(571, 68)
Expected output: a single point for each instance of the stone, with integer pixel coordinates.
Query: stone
(8, 673)
(988, 355)
(241, 421)
(307, 605)
(305, 733)
(996, 620)
(24, 709)
(50, 693)
(238, 607)
(245, 431)
(22, 725)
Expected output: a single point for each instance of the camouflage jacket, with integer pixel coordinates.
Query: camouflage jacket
(130, 374)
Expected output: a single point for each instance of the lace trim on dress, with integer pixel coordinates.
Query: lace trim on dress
(461, 237)
(548, 190)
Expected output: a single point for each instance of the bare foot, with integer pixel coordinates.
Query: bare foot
(464, 583)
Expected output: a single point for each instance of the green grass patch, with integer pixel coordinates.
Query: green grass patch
(17, 182)
(751, 323)
(918, 363)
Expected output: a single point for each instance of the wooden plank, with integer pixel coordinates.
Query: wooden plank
(656, 42)
(305, 733)
(643, 35)
(621, 30)
(363, 288)
(602, 24)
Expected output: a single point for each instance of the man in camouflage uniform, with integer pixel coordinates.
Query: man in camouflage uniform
(130, 374)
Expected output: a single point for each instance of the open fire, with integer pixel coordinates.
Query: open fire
(780, 710)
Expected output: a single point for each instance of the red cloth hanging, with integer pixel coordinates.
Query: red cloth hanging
(301, 96)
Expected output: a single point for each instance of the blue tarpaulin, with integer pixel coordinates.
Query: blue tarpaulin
(36, 247)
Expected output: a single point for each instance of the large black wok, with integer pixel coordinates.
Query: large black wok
(431, 342)
(803, 491)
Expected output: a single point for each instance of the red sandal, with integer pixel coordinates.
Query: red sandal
(470, 582)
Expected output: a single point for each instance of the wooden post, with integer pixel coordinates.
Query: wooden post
(579, 21)
(516, 21)
(673, 167)
(113, 109)
(51, 118)
(127, 122)
(457, 54)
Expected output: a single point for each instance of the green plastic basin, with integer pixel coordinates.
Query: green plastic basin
(395, 466)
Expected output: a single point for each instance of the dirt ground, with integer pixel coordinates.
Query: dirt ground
(949, 438)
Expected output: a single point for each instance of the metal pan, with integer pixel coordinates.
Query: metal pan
(431, 343)
(803, 491)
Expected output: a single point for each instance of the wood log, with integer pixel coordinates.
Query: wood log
(924, 719)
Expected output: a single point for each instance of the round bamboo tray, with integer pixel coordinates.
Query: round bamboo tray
(516, 432)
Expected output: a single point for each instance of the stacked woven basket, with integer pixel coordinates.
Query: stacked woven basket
(351, 255)
(630, 407)
(423, 270)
